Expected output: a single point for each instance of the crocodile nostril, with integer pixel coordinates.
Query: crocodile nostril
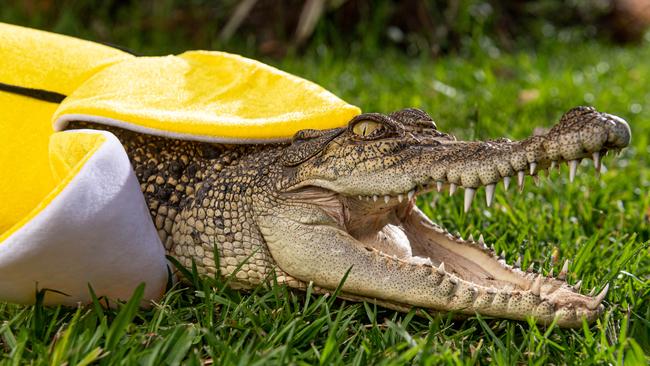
(620, 134)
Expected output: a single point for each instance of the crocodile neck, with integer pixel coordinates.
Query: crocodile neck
(200, 197)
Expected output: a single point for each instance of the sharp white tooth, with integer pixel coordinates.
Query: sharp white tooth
(367, 198)
(400, 198)
(386, 198)
(469, 197)
(439, 186)
(452, 189)
(374, 198)
(506, 182)
(518, 262)
(537, 285)
(536, 180)
(411, 194)
(576, 287)
(531, 268)
(573, 168)
(360, 197)
(520, 179)
(592, 292)
(491, 290)
(550, 274)
(503, 254)
(489, 193)
(596, 156)
(481, 240)
(471, 238)
(553, 165)
(533, 167)
(565, 269)
(441, 268)
(593, 304)
(453, 279)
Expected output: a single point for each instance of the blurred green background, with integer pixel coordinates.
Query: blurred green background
(278, 28)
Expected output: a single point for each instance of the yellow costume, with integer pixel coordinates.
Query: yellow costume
(71, 211)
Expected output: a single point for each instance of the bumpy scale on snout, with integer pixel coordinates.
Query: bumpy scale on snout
(347, 202)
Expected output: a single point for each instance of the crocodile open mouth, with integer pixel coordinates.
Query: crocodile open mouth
(398, 232)
(401, 231)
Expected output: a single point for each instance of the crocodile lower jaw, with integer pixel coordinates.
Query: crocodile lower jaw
(410, 239)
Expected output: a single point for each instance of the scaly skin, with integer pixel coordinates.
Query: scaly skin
(343, 199)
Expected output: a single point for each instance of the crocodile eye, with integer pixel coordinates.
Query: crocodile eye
(367, 128)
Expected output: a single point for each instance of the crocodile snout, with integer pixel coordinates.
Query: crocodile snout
(581, 133)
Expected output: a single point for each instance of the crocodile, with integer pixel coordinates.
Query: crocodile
(339, 204)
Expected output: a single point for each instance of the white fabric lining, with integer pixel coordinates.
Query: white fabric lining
(61, 123)
(96, 231)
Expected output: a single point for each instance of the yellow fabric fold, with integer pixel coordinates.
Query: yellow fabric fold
(41, 60)
(202, 95)
(67, 154)
(24, 138)
(69, 151)
(35, 59)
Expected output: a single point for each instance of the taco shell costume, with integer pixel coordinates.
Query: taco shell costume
(71, 211)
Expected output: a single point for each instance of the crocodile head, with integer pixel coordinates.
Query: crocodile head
(349, 207)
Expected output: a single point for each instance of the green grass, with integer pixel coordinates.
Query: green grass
(602, 225)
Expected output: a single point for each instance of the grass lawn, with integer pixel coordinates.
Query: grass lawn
(601, 224)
